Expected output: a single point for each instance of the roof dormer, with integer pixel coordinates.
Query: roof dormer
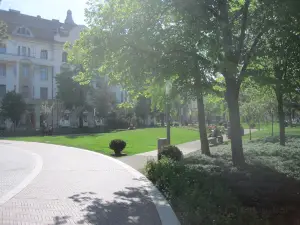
(23, 31)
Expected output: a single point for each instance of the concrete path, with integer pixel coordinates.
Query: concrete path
(139, 161)
(49, 184)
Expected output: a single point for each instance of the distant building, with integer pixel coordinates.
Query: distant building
(31, 58)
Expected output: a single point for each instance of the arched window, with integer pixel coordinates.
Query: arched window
(64, 57)
(23, 31)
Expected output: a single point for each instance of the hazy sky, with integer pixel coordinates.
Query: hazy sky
(48, 9)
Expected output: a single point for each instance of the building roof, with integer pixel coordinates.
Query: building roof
(41, 29)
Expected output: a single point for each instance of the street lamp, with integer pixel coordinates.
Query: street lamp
(168, 91)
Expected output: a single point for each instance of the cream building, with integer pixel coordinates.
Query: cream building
(31, 58)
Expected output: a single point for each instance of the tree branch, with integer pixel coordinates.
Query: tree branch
(227, 32)
(243, 29)
(250, 53)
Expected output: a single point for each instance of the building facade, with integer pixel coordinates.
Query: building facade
(32, 56)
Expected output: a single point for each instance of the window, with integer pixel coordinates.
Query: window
(44, 54)
(23, 31)
(25, 92)
(2, 48)
(44, 73)
(24, 51)
(64, 57)
(2, 90)
(44, 93)
(25, 70)
(2, 70)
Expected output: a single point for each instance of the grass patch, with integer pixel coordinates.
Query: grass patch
(138, 141)
(266, 131)
(211, 191)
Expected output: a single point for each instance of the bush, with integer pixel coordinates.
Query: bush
(117, 145)
(197, 196)
(171, 152)
(211, 191)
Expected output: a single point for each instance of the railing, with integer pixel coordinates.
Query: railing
(3, 52)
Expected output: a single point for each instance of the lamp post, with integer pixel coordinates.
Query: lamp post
(168, 90)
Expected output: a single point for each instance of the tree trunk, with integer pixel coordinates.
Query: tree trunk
(272, 124)
(162, 119)
(168, 122)
(232, 95)
(281, 118)
(250, 133)
(202, 128)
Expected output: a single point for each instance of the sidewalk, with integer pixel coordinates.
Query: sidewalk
(139, 161)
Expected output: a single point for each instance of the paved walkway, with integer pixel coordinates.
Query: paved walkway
(139, 161)
(49, 184)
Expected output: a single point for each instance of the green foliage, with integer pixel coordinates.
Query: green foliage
(118, 120)
(3, 31)
(117, 145)
(210, 190)
(171, 152)
(197, 195)
(12, 107)
(70, 92)
(143, 107)
(102, 100)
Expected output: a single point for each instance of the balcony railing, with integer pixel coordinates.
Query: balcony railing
(4, 52)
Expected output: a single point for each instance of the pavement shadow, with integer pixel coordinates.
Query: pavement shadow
(131, 206)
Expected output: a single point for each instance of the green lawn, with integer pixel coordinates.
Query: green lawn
(266, 131)
(138, 141)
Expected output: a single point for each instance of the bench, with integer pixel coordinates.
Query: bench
(215, 140)
(212, 140)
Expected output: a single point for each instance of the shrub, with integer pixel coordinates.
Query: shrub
(117, 145)
(171, 152)
(198, 196)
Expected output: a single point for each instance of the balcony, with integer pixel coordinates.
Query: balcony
(13, 57)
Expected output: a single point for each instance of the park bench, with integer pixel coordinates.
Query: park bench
(215, 140)
(212, 140)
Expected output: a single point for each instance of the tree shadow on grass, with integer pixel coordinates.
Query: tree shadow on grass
(129, 207)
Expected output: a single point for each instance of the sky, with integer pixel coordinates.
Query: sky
(48, 9)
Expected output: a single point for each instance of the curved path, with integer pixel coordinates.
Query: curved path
(49, 184)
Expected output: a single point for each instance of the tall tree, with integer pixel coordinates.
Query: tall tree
(12, 107)
(102, 100)
(145, 44)
(71, 93)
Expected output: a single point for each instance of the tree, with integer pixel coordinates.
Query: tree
(102, 100)
(12, 107)
(141, 50)
(142, 108)
(236, 30)
(279, 67)
(3, 30)
(71, 93)
(139, 43)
